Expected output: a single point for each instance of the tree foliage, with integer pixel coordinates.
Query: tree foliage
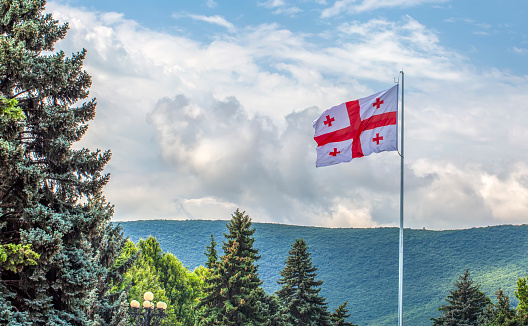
(522, 294)
(500, 313)
(340, 315)
(233, 292)
(14, 257)
(466, 304)
(300, 289)
(10, 109)
(52, 208)
(165, 276)
(211, 253)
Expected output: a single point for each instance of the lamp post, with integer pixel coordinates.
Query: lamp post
(148, 315)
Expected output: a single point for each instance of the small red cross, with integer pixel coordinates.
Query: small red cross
(329, 121)
(377, 139)
(335, 152)
(378, 103)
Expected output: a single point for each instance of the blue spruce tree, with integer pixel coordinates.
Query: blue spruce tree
(51, 196)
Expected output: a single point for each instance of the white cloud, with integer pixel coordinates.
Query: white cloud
(211, 3)
(481, 33)
(354, 6)
(270, 4)
(349, 214)
(216, 20)
(290, 11)
(456, 19)
(280, 7)
(197, 129)
(520, 50)
(507, 196)
(209, 206)
(486, 196)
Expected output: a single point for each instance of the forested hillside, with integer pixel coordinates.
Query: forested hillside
(361, 265)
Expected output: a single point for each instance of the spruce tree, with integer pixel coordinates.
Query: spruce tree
(465, 306)
(51, 196)
(300, 289)
(234, 295)
(211, 253)
(275, 311)
(339, 316)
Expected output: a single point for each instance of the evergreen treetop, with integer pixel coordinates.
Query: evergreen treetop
(339, 316)
(211, 253)
(300, 289)
(465, 306)
(234, 295)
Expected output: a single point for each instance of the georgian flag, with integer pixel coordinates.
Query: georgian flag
(357, 128)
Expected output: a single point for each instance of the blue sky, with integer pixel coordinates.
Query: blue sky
(490, 32)
(207, 106)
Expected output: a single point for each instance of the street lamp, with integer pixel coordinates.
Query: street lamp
(148, 315)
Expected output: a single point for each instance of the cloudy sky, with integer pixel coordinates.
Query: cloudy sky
(207, 105)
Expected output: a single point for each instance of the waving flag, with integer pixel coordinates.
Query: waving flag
(358, 128)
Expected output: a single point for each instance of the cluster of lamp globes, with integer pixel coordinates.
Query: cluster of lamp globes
(147, 304)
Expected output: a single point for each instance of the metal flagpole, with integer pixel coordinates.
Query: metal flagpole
(400, 276)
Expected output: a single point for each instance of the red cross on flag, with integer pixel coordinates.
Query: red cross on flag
(358, 128)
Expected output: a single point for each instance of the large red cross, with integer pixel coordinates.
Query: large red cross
(329, 121)
(357, 126)
(378, 103)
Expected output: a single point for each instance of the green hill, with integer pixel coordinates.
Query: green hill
(361, 265)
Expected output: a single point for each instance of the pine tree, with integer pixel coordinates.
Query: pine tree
(234, 295)
(339, 316)
(211, 253)
(51, 197)
(300, 291)
(466, 304)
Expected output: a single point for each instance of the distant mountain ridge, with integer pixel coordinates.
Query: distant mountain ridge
(361, 265)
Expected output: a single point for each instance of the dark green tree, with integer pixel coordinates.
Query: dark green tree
(300, 290)
(234, 295)
(465, 306)
(500, 313)
(211, 253)
(51, 196)
(340, 315)
(276, 313)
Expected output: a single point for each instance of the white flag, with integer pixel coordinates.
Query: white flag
(358, 128)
